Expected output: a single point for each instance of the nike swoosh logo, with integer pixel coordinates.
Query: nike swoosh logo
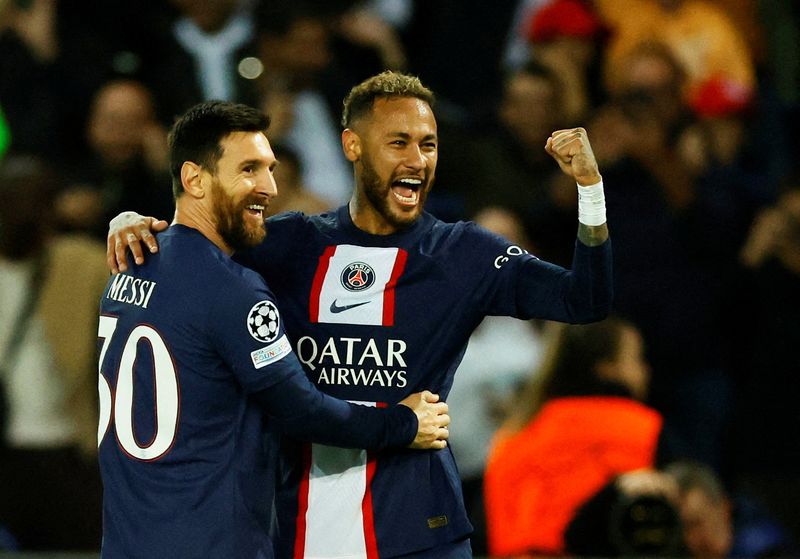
(337, 309)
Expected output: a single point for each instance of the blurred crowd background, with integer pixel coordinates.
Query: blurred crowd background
(692, 110)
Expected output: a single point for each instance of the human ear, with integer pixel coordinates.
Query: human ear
(351, 145)
(191, 179)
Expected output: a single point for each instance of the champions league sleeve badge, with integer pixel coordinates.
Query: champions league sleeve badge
(263, 321)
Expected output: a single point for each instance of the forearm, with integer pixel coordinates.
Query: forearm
(305, 413)
(592, 235)
(580, 295)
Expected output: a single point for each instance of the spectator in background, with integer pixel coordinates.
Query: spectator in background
(312, 53)
(126, 165)
(636, 514)
(767, 449)
(507, 165)
(292, 194)
(44, 98)
(699, 34)
(580, 422)
(682, 510)
(49, 285)
(716, 524)
(568, 36)
(200, 50)
(501, 354)
(457, 46)
(677, 238)
(299, 82)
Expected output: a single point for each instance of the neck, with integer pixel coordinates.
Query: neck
(366, 218)
(195, 215)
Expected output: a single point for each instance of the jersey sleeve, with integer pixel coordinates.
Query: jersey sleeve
(515, 283)
(250, 337)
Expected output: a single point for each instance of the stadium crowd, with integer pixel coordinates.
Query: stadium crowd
(692, 109)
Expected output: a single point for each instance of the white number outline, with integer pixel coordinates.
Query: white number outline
(118, 404)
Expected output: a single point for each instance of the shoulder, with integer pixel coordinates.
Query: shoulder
(200, 265)
(469, 238)
(294, 221)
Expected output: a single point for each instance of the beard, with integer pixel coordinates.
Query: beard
(378, 194)
(232, 226)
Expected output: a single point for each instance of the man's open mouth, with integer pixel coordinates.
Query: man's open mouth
(406, 190)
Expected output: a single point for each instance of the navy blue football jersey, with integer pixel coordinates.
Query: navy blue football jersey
(375, 318)
(196, 372)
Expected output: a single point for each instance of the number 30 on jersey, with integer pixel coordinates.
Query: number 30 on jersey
(120, 400)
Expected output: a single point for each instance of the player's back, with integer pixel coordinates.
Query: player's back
(184, 464)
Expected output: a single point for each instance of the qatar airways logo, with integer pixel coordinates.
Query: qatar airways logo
(355, 361)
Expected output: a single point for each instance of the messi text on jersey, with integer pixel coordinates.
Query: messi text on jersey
(131, 290)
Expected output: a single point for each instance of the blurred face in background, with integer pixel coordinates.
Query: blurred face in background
(301, 51)
(121, 117)
(649, 84)
(208, 15)
(707, 524)
(529, 109)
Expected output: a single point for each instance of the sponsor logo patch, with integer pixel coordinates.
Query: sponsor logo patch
(263, 321)
(272, 353)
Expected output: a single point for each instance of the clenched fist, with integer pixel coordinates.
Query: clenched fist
(573, 153)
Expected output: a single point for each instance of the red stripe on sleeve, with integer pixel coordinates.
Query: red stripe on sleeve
(316, 286)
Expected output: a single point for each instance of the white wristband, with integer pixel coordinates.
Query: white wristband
(592, 204)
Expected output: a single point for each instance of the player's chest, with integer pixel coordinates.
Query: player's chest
(371, 286)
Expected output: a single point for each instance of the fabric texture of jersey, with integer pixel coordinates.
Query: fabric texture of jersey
(536, 479)
(192, 349)
(375, 318)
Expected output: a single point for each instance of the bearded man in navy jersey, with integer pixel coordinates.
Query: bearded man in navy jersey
(195, 362)
(379, 299)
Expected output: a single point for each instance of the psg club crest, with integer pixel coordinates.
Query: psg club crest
(263, 321)
(357, 277)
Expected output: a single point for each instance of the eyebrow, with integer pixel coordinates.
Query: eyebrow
(407, 136)
(257, 162)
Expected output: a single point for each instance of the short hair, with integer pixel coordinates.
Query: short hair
(197, 134)
(386, 85)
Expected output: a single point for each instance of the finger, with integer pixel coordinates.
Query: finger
(438, 445)
(567, 143)
(149, 239)
(428, 396)
(441, 408)
(443, 420)
(111, 260)
(159, 225)
(119, 253)
(136, 248)
(548, 146)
